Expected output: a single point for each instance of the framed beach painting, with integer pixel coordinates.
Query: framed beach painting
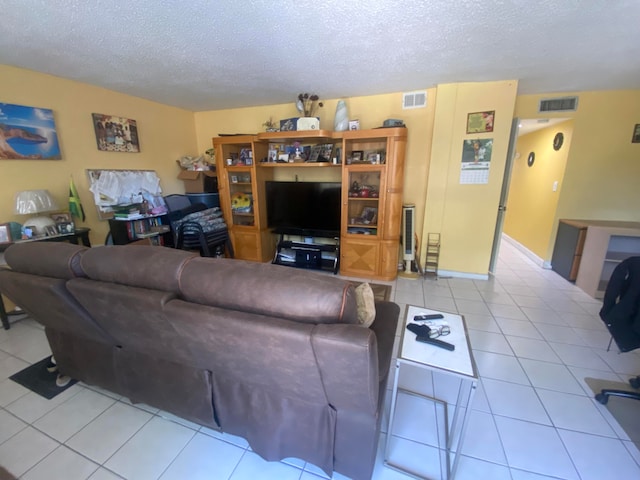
(27, 133)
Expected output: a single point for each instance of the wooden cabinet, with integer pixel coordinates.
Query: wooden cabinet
(605, 246)
(372, 202)
(241, 190)
(567, 251)
(370, 219)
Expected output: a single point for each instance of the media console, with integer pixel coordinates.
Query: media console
(318, 256)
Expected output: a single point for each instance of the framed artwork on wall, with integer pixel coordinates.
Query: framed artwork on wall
(27, 133)
(480, 122)
(116, 134)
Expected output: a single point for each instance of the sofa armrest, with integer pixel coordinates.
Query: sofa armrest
(385, 326)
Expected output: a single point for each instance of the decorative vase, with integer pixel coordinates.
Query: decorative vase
(341, 120)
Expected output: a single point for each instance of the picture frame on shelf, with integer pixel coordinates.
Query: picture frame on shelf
(51, 231)
(65, 228)
(234, 179)
(246, 156)
(273, 155)
(314, 154)
(369, 216)
(61, 217)
(325, 152)
(5, 233)
(357, 156)
(373, 158)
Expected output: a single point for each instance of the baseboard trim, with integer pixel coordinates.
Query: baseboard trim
(538, 260)
(473, 276)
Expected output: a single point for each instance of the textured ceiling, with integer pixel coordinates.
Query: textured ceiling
(205, 55)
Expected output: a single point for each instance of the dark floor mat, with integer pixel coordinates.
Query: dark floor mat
(37, 379)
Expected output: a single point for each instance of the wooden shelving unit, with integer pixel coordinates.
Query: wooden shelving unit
(605, 246)
(370, 223)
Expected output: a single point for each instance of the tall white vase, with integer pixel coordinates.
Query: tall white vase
(341, 121)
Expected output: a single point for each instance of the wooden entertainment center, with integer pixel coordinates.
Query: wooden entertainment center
(372, 186)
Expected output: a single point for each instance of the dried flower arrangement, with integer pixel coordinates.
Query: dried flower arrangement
(307, 104)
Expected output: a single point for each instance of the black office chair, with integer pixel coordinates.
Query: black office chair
(621, 314)
(197, 227)
(191, 236)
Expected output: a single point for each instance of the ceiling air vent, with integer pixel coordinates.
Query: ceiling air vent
(564, 104)
(414, 100)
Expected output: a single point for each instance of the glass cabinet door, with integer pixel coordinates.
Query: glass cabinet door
(363, 199)
(238, 162)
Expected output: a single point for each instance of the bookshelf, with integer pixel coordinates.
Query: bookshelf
(156, 228)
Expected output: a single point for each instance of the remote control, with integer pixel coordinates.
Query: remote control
(422, 318)
(436, 342)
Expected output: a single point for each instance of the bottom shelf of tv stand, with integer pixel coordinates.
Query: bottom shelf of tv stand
(316, 256)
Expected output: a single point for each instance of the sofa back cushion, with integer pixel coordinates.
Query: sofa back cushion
(38, 281)
(156, 268)
(48, 259)
(266, 289)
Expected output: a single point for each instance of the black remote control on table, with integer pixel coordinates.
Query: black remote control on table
(436, 342)
(422, 318)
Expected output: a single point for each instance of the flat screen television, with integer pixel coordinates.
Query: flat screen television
(304, 208)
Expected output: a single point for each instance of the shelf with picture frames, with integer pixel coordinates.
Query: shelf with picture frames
(370, 220)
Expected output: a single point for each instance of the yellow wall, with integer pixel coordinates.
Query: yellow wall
(465, 215)
(370, 110)
(166, 133)
(532, 203)
(600, 180)
(603, 166)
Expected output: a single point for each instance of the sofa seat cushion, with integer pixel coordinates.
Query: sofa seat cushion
(268, 289)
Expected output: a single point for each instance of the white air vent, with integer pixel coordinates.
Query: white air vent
(414, 100)
(564, 104)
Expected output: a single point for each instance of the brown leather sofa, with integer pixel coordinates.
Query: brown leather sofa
(265, 352)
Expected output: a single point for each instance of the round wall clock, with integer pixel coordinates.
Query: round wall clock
(531, 158)
(558, 140)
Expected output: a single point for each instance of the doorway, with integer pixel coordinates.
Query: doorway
(532, 183)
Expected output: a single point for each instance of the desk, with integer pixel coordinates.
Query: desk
(458, 363)
(80, 235)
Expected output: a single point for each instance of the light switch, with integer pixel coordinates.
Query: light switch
(555, 186)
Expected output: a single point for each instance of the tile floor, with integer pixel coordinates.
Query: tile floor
(535, 339)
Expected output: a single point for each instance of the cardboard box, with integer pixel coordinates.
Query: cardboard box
(199, 181)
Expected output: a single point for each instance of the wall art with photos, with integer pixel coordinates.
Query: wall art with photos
(116, 134)
(27, 133)
(480, 122)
